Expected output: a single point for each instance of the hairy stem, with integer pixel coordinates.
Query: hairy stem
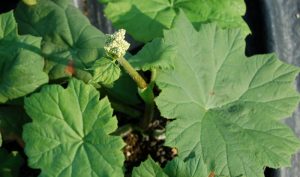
(133, 73)
(145, 91)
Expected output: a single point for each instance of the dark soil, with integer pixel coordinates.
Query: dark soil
(140, 146)
(7, 5)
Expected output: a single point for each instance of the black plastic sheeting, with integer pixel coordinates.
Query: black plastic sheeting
(282, 19)
(95, 13)
(7, 5)
(275, 25)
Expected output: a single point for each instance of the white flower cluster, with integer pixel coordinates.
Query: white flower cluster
(115, 45)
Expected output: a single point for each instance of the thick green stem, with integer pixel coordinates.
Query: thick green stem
(133, 73)
(123, 131)
(148, 116)
(148, 97)
(145, 91)
(153, 75)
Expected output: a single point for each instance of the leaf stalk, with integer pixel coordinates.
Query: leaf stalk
(141, 83)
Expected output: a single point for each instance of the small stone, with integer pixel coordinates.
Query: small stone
(174, 151)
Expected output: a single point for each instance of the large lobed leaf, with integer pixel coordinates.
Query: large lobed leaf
(69, 135)
(193, 167)
(70, 43)
(145, 20)
(21, 66)
(228, 103)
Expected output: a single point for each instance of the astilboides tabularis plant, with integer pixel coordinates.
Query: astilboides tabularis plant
(64, 86)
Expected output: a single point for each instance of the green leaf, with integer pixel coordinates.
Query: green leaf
(8, 26)
(230, 104)
(71, 127)
(21, 66)
(145, 20)
(106, 71)
(156, 54)
(176, 168)
(149, 168)
(70, 43)
(193, 167)
(10, 163)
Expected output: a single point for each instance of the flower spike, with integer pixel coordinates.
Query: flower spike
(116, 45)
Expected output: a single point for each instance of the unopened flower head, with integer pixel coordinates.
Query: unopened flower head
(115, 45)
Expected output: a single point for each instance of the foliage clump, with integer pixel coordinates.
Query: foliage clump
(69, 93)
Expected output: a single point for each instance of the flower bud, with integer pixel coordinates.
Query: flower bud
(116, 45)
